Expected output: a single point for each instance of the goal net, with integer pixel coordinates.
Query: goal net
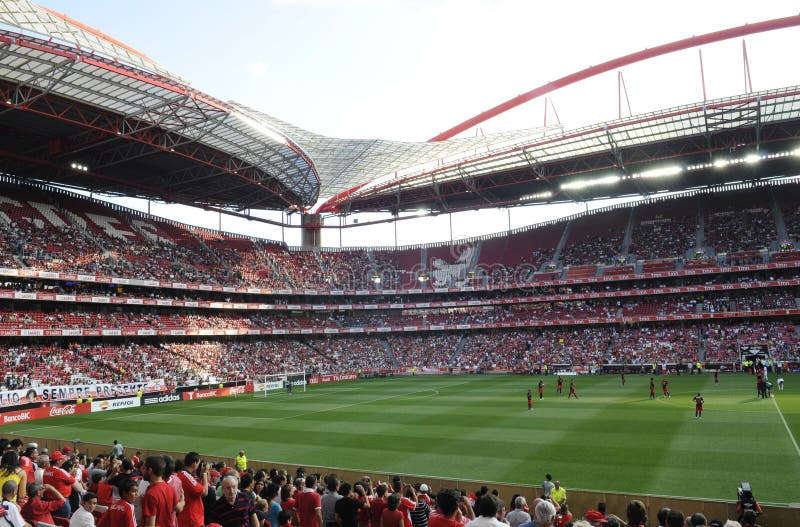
(279, 383)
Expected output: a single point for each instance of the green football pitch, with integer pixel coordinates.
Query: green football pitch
(613, 438)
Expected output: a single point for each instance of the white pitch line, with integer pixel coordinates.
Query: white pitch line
(786, 425)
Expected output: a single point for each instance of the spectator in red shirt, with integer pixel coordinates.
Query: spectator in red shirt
(160, 500)
(309, 504)
(408, 502)
(26, 461)
(122, 513)
(391, 516)
(36, 509)
(447, 513)
(194, 490)
(61, 480)
(377, 504)
(288, 503)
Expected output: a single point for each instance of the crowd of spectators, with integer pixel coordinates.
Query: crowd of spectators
(663, 237)
(120, 489)
(72, 235)
(187, 363)
(561, 312)
(729, 231)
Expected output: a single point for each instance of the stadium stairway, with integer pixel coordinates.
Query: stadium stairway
(627, 238)
(391, 358)
(780, 224)
(459, 348)
(562, 242)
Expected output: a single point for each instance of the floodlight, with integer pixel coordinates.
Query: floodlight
(660, 172)
(607, 180)
(752, 159)
(720, 163)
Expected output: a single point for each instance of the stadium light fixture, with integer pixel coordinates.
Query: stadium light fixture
(659, 172)
(607, 180)
(540, 195)
(721, 163)
(752, 159)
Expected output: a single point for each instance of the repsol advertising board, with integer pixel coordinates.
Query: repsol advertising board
(158, 399)
(114, 404)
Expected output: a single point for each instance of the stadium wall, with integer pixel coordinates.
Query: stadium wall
(578, 500)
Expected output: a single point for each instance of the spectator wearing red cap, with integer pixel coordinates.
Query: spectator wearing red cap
(60, 480)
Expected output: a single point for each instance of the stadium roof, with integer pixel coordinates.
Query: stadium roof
(83, 110)
(673, 149)
(135, 128)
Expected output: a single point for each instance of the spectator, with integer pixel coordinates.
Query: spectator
(309, 504)
(487, 509)
(37, 509)
(518, 516)
(234, 508)
(84, 517)
(122, 513)
(559, 493)
(160, 500)
(13, 515)
(637, 514)
(10, 470)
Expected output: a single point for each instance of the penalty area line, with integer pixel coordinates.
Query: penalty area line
(786, 425)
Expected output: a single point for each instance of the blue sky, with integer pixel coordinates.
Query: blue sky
(407, 70)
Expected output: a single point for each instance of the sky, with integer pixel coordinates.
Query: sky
(408, 69)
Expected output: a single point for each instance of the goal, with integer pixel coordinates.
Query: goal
(279, 383)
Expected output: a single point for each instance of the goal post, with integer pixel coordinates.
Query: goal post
(272, 383)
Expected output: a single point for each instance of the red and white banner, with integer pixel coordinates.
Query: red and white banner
(73, 392)
(28, 273)
(196, 395)
(20, 416)
(324, 379)
(257, 306)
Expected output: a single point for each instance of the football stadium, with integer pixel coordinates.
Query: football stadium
(318, 362)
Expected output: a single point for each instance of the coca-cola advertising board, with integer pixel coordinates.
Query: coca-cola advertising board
(20, 416)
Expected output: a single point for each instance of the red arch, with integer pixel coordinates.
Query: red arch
(678, 45)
